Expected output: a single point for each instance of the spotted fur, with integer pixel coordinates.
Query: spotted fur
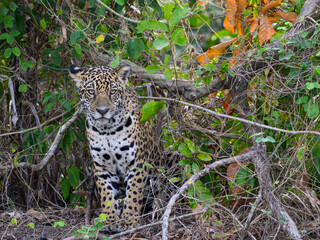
(119, 144)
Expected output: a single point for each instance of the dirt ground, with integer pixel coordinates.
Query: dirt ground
(39, 225)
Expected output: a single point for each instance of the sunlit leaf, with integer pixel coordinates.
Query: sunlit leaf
(149, 109)
(100, 38)
(215, 51)
(160, 43)
(204, 156)
(300, 153)
(151, 25)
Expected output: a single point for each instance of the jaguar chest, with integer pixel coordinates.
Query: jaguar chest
(115, 149)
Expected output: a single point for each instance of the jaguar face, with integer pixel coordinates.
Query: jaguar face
(101, 91)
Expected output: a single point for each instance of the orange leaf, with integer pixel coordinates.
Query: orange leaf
(214, 52)
(273, 19)
(254, 25)
(201, 59)
(265, 31)
(242, 4)
(271, 5)
(229, 20)
(291, 16)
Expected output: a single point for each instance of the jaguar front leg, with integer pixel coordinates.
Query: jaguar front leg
(110, 206)
(136, 181)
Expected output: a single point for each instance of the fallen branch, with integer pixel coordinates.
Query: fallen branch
(38, 167)
(241, 158)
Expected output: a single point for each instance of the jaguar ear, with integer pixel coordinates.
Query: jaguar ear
(76, 74)
(124, 74)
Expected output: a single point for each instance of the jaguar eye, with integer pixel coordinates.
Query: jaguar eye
(113, 91)
(91, 91)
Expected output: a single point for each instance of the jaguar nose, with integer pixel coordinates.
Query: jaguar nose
(102, 110)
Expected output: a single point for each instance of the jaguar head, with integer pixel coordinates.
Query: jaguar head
(101, 90)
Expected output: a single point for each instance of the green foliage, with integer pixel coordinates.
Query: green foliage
(150, 109)
(59, 224)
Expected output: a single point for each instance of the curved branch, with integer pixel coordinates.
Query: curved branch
(241, 158)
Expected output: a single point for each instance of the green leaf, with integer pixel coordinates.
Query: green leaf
(76, 36)
(204, 156)
(149, 109)
(168, 9)
(184, 162)
(13, 6)
(8, 21)
(14, 221)
(175, 179)
(10, 39)
(283, 220)
(7, 53)
(23, 87)
(151, 25)
(43, 23)
(316, 71)
(120, 2)
(190, 145)
(65, 188)
(74, 177)
(60, 224)
(265, 139)
(152, 69)
(300, 153)
(115, 63)
(31, 225)
(102, 217)
(48, 96)
(177, 33)
(16, 51)
(135, 47)
(166, 60)
(313, 111)
(303, 99)
(184, 150)
(49, 106)
(312, 85)
(160, 43)
(56, 57)
(168, 74)
(4, 36)
(148, 165)
(177, 14)
(78, 49)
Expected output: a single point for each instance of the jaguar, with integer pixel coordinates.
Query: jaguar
(120, 146)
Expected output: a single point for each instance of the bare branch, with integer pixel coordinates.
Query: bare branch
(241, 158)
(38, 167)
(255, 124)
